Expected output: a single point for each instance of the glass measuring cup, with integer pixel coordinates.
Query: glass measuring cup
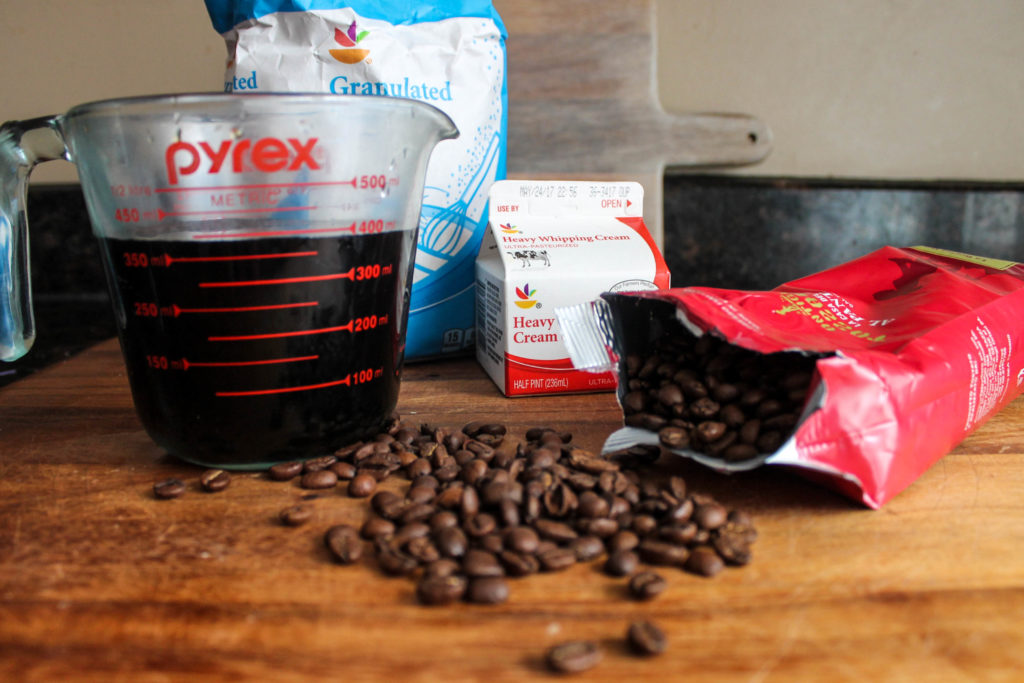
(258, 250)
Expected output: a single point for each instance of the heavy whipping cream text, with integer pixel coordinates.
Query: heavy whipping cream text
(551, 245)
(533, 330)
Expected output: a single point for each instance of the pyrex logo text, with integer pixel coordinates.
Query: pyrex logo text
(266, 155)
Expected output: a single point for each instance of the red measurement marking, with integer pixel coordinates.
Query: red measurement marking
(161, 214)
(347, 327)
(215, 188)
(176, 311)
(186, 364)
(282, 281)
(273, 233)
(168, 259)
(347, 381)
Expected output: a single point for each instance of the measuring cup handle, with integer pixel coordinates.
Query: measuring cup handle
(23, 144)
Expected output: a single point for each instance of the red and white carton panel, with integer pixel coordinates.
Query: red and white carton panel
(552, 244)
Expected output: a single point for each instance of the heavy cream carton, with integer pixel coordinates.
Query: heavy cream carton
(553, 244)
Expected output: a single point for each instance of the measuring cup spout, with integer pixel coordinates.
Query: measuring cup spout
(23, 144)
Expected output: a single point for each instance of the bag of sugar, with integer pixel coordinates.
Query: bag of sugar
(448, 53)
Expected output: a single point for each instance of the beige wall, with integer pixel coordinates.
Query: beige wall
(862, 88)
(855, 88)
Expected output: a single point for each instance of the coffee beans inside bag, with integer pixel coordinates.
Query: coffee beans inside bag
(861, 376)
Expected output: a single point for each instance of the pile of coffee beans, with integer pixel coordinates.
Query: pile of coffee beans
(703, 394)
(480, 509)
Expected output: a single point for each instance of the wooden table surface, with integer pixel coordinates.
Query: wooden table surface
(100, 581)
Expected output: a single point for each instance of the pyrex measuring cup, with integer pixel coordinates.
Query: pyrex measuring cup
(258, 251)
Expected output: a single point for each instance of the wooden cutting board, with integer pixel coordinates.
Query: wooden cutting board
(583, 101)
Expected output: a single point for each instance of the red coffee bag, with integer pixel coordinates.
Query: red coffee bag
(914, 348)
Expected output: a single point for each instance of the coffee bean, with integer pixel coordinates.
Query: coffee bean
(441, 590)
(214, 480)
(521, 539)
(487, 590)
(679, 534)
(645, 638)
(587, 548)
(419, 512)
(407, 532)
(704, 561)
(674, 437)
(470, 502)
(602, 527)
(284, 471)
(574, 656)
(392, 560)
(319, 479)
(418, 468)
(451, 541)
(481, 563)
(647, 585)
(592, 505)
(443, 567)
(709, 515)
(421, 494)
(519, 564)
(732, 542)
(557, 559)
(644, 525)
(377, 527)
(443, 519)
(387, 504)
(344, 470)
(621, 563)
(321, 463)
(423, 550)
(623, 540)
(344, 543)
(169, 488)
(362, 485)
(296, 515)
(559, 532)
(732, 415)
(480, 525)
(662, 553)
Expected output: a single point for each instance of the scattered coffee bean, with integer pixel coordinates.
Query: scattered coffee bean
(645, 638)
(169, 488)
(436, 589)
(344, 470)
(574, 656)
(296, 515)
(587, 548)
(362, 485)
(214, 480)
(319, 479)
(285, 471)
(344, 543)
(321, 463)
(557, 559)
(377, 527)
(704, 561)
(487, 590)
(647, 585)
(621, 563)
(477, 563)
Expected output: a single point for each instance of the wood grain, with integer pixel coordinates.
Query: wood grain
(100, 581)
(583, 101)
